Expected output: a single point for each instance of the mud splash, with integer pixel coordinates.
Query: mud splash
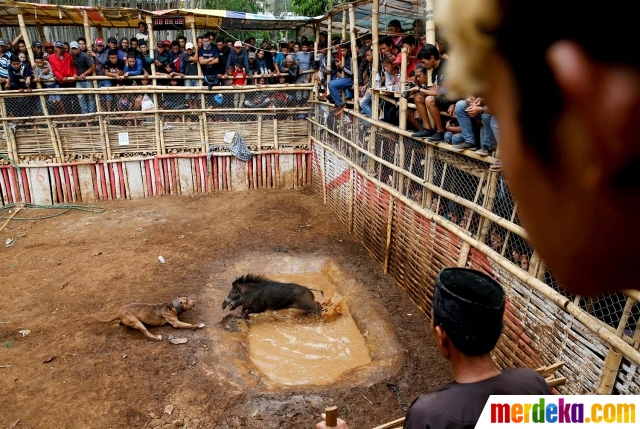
(290, 349)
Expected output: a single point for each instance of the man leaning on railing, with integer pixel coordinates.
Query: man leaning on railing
(5, 60)
(84, 67)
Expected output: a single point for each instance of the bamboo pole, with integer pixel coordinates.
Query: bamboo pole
(259, 132)
(43, 38)
(389, 224)
(275, 133)
(8, 132)
(597, 327)
(354, 57)
(194, 40)
(329, 47)
(403, 114)
(54, 141)
(344, 24)
(107, 140)
(351, 199)
(323, 176)
(315, 56)
(430, 25)
(490, 198)
(87, 36)
(99, 28)
(152, 47)
(614, 357)
(375, 68)
(25, 36)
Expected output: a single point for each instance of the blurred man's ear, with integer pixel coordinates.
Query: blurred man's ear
(601, 102)
(443, 342)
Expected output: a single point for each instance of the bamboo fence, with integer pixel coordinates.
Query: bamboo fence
(377, 185)
(33, 135)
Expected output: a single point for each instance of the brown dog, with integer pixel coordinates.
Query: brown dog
(137, 315)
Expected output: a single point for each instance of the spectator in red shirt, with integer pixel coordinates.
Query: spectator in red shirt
(62, 66)
(239, 79)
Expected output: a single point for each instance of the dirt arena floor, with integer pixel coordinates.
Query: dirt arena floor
(71, 371)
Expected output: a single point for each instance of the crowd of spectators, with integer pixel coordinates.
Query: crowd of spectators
(464, 124)
(434, 116)
(128, 62)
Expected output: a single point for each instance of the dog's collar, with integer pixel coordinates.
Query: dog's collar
(176, 304)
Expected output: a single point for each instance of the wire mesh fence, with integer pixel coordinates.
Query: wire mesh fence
(465, 192)
(74, 124)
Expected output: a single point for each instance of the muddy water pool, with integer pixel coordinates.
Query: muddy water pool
(293, 349)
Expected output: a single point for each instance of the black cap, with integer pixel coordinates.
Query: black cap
(112, 40)
(36, 44)
(58, 44)
(469, 306)
(394, 23)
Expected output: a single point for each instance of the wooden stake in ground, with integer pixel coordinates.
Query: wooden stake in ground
(7, 223)
(331, 416)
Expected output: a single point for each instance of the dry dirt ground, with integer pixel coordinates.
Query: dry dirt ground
(71, 371)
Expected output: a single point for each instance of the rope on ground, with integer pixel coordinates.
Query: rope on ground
(64, 207)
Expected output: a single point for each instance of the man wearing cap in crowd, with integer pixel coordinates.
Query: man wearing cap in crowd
(84, 67)
(466, 321)
(37, 47)
(189, 67)
(100, 58)
(48, 51)
(238, 57)
(112, 43)
(161, 54)
(62, 65)
(5, 63)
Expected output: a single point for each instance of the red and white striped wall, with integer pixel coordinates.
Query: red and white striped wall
(160, 175)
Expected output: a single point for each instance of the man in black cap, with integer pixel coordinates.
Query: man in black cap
(37, 48)
(112, 43)
(466, 321)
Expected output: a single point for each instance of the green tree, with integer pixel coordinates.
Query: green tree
(312, 7)
(248, 6)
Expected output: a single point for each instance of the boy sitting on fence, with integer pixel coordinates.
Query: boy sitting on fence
(42, 73)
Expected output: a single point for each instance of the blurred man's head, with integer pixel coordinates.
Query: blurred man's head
(568, 106)
(113, 56)
(467, 311)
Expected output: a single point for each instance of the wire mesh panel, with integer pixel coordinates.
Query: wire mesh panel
(132, 137)
(337, 177)
(538, 333)
(4, 145)
(628, 380)
(467, 199)
(81, 140)
(419, 250)
(371, 216)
